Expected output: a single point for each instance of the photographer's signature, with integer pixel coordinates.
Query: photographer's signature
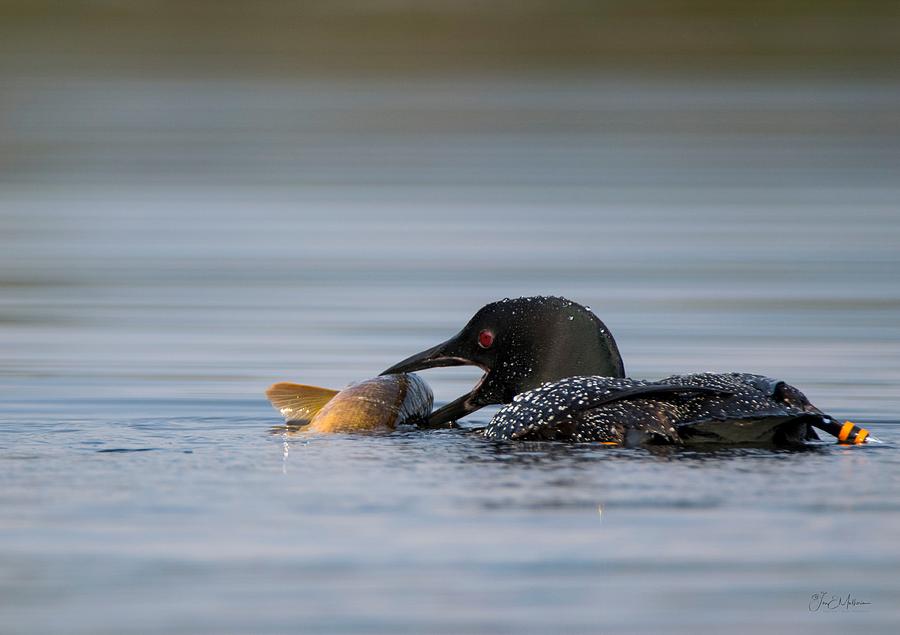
(826, 601)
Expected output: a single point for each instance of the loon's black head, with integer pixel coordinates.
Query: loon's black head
(520, 344)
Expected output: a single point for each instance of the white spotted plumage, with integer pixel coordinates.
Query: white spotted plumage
(666, 417)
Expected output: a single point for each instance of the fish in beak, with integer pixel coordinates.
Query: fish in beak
(450, 353)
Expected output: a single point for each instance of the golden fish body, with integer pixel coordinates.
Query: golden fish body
(380, 403)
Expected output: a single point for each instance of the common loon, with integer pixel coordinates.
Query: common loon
(558, 370)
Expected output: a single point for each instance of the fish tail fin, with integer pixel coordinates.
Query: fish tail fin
(298, 403)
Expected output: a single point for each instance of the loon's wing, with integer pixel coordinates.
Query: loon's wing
(749, 409)
(591, 408)
(732, 408)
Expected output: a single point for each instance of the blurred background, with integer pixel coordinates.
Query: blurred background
(199, 198)
(240, 186)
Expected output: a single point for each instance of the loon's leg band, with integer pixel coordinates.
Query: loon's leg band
(847, 433)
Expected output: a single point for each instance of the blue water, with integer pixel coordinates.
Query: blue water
(170, 248)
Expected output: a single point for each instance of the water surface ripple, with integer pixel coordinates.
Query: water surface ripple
(168, 249)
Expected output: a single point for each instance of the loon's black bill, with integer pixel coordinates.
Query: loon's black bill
(432, 358)
(456, 409)
(440, 356)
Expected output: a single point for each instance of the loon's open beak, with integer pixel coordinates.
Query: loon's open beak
(444, 354)
(434, 357)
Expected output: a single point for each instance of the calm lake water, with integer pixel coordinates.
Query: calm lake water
(170, 248)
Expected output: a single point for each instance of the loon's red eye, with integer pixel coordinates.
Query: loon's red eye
(485, 338)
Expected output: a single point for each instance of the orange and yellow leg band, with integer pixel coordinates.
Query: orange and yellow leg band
(852, 434)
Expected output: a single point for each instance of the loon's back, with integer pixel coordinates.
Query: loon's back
(706, 407)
